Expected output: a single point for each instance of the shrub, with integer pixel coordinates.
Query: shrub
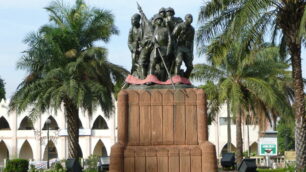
(287, 169)
(17, 165)
(91, 163)
(58, 167)
(272, 170)
(32, 168)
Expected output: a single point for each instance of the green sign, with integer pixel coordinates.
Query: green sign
(268, 149)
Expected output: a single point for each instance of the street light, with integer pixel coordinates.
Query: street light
(48, 122)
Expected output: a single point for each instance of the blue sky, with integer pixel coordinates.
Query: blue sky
(20, 17)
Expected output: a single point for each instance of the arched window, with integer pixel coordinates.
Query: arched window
(52, 151)
(4, 153)
(4, 125)
(100, 123)
(253, 149)
(100, 149)
(26, 151)
(26, 124)
(52, 126)
(224, 149)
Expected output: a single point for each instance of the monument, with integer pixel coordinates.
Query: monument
(162, 118)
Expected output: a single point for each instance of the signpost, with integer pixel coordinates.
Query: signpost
(268, 145)
(268, 149)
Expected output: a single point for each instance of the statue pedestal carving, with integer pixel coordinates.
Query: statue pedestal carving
(162, 130)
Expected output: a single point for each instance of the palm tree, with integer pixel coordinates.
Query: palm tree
(261, 19)
(65, 68)
(2, 89)
(241, 79)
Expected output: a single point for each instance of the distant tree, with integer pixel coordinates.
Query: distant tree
(2, 89)
(66, 68)
(285, 134)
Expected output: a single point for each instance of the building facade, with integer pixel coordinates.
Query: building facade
(218, 134)
(23, 137)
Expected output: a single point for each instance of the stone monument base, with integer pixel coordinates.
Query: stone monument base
(162, 130)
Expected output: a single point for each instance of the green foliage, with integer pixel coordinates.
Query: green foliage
(64, 64)
(90, 170)
(51, 170)
(273, 170)
(91, 163)
(118, 87)
(285, 135)
(289, 168)
(252, 79)
(17, 165)
(2, 89)
(65, 67)
(32, 168)
(250, 22)
(214, 103)
(57, 167)
(248, 78)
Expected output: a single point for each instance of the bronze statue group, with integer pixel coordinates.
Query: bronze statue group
(161, 44)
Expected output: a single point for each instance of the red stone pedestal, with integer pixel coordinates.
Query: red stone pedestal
(162, 130)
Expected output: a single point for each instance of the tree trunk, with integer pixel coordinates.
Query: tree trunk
(290, 20)
(239, 151)
(72, 114)
(229, 136)
(299, 106)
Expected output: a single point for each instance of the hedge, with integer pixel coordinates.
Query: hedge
(17, 165)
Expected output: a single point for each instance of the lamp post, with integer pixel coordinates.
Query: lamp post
(48, 121)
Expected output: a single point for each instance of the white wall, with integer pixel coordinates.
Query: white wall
(37, 138)
(218, 133)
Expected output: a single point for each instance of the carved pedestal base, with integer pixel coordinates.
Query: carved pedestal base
(162, 130)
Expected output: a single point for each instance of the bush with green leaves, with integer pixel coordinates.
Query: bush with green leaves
(289, 168)
(285, 135)
(272, 170)
(17, 165)
(91, 163)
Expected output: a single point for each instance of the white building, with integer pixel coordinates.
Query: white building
(218, 134)
(24, 138)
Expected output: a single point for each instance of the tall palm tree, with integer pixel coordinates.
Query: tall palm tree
(2, 89)
(261, 19)
(241, 79)
(65, 68)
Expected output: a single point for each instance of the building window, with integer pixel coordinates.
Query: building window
(52, 126)
(100, 123)
(4, 125)
(26, 124)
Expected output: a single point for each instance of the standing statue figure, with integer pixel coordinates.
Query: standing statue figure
(134, 42)
(172, 21)
(161, 13)
(146, 44)
(183, 35)
(162, 48)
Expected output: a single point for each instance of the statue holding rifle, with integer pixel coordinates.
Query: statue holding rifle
(162, 48)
